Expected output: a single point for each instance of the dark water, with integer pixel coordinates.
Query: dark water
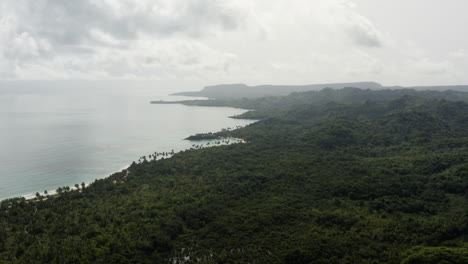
(51, 138)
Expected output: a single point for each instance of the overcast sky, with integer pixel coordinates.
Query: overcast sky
(395, 42)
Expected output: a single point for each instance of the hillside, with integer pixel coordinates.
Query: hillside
(460, 88)
(356, 180)
(275, 105)
(239, 91)
(232, 91)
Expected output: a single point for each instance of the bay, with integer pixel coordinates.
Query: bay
(59, 137)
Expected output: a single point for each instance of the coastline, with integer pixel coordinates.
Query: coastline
(207, 144)
(53, 192)
(29, 192)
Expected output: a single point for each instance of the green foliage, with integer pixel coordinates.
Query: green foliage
(436, 255)
(204, 136)
(322, 183)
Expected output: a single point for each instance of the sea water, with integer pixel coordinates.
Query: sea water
(63, 136)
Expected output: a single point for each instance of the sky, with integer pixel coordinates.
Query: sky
(394, 42)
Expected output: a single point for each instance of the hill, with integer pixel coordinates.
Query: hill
(232, 91)
(460, 88)
(238, 91)
(355, 181)
(266, 106)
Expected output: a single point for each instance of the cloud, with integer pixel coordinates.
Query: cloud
(459, 54)
(364, 33)
(25, 46)
(360, 29)
(72, 22)
(214, 41)
(431, 67)
(43, 36)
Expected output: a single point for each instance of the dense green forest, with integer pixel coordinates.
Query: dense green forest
(367, 178)
(276, 105)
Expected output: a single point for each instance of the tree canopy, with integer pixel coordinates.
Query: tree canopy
(329, 181)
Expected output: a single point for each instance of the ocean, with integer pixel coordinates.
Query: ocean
(60, 136)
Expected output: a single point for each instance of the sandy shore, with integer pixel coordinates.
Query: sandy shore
(53, 192)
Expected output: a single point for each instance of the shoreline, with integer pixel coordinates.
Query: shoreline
(53, 192)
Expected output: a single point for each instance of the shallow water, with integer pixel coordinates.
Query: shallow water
(58, 137)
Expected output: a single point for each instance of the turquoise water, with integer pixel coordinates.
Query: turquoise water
(58, 137)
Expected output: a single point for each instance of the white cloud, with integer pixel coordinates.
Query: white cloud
(112, 38)
(459, 54)
(24, 46)
(359, 29)
(430, 67)
(364, 33)
(262, 41)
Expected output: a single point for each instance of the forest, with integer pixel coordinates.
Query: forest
(331, 176)
(276, 105)
(239, 91)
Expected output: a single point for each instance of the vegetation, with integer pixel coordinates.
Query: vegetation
(203, 136)
(238, 91)
(353, 181)
(278, 105)
(232, 91)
